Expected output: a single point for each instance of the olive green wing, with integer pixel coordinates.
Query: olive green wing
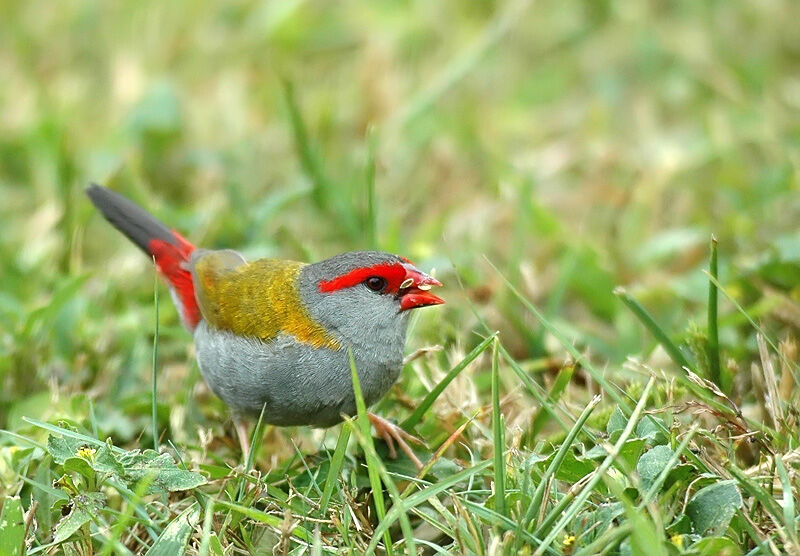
(258, 299)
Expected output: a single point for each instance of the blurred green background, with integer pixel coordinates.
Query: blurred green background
(577, 145)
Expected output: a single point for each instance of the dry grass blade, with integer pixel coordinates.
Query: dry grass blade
(772, 398)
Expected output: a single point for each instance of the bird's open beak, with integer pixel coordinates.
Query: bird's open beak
(414, 291)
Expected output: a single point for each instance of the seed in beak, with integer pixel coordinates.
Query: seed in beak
(424, 287)
(407, 283)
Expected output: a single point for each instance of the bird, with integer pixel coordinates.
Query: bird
(273, 337)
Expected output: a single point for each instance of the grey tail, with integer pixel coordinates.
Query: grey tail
(129, 218)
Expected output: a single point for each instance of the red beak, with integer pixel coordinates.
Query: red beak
(414, 292)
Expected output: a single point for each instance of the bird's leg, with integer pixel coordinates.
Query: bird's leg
(391, 433)
(241, 431)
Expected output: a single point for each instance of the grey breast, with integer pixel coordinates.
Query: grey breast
(295, 383)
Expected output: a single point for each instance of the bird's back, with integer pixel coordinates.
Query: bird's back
(258, 299)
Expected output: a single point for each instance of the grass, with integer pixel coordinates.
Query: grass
(606, 383)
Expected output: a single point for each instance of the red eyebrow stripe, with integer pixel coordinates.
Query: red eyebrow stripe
(393, 273)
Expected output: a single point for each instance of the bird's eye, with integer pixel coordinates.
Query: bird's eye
(375, 283)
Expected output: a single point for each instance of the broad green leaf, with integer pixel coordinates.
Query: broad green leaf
(130, 467)
(716, 546)
(597, 522)
(166, 473)
(572, 468)
(680, 472)
(652, 463)
(617, 421)
(80, 466)
(648, 429)
(105, 460)
(175, 538)
(12, 528)
(63, 447)
(44, 494)
(84, 507)
(629, 453)
(712, 507)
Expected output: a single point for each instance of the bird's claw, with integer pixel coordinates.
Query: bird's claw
(391, 433)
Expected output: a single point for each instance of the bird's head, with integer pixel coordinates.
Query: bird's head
(366, 295)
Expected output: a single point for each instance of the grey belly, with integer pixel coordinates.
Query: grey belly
(293, 382)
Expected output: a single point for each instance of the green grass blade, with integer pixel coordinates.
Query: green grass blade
(608, 539)
(788, 502)
(255, 440)
(93, 420)
(652, 326)
(308, 158)
(791, 365)
(373, 462)
(335, 468)
(498, 438)
(126, 516)
(70, 433)
(500, 521)
(23, 439)
(713, 332)
(565, 343)
(644, 537)
(533, 388)
(423, 495)
(55, 493)
(551, 470)
(255, 446)
(154, 393)
(427, 402)
(312, 475)
(677, 356)
(397, 500)
(299, 532)
(569, 514)
(205, 535)
(546, 404)
(542, 416)
(377, 471)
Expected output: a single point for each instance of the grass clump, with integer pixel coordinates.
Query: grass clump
(601, 381)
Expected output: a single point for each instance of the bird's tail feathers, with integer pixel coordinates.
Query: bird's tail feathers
(169, 250)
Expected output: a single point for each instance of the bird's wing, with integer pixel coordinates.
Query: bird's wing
(258, 299)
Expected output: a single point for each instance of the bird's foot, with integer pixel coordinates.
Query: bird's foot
(244, 439)
(421, 352)
(391, 433)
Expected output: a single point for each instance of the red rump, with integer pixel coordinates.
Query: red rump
(170, 259)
